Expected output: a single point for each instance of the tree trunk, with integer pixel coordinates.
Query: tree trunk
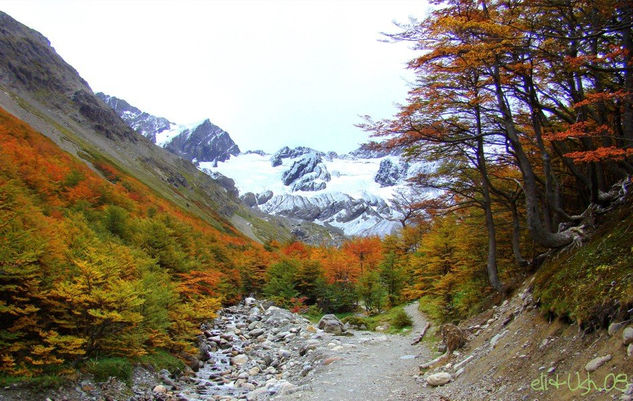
(516, 235)
(491, 264)
(535, 225)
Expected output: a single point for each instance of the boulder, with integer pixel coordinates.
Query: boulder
(439, 379)
(452, 336)
(331, 324)
(595, 363)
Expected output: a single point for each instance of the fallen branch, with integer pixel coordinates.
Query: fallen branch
(424, 329)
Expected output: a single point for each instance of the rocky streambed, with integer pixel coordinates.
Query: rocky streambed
(254, 351)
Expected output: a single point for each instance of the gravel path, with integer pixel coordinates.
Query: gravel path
(371, 367)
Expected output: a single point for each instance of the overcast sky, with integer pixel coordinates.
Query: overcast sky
(271, 73)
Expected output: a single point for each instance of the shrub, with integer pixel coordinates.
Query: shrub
(103, 369)
(401, 320)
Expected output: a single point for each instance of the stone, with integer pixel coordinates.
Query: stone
(627, 335)
(331, 360)
(160, 389)
(614, 328)
(439, 379)
(331, 324)
(239, 360)
(494, 340)
(253, 371)
(595, 363)
(256, 333)
(452, 336)
(629, 351)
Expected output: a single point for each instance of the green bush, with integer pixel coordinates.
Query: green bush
(356, 321)
(162, 360)
(401, 320)
(103, 369)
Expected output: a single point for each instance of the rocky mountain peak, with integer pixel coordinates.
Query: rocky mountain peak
(140, 121)
(202, 142)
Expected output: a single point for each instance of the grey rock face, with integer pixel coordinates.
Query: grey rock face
(264, 197)
(307, 173)
(140, 121)
(249, 199)
(287, 153)
(390, 174)
(205, 143)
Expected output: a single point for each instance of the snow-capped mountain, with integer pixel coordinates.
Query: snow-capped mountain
(199, 142)
(350, 192)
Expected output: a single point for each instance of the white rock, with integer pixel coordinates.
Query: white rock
(629, 351)
(160, 389)
(494, 340)
(595, 363)
(627, 335)
(239, 360)
(439, 379)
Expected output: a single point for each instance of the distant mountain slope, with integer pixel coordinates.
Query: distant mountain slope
(199, 142)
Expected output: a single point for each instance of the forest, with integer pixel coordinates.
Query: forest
(524, 107)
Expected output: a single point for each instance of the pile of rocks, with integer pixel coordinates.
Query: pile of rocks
(255, 350)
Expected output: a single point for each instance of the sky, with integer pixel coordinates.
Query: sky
(270, 72)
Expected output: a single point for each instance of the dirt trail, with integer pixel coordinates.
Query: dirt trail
(371, 367)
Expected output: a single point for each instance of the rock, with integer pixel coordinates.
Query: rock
(249, 199)
(239, 360)
(264, 197)
(595, 363)
(452, 336)
(627, 335)
(614, 328)
(256, 333)
(390, 174)
(494, 340)
(439, 379)
(160, 389)
(629, 351)
(278, 317)
(441, 347)
(253, 371)
(284, 353)
(382, 329)
(331, 324)
(331, 360)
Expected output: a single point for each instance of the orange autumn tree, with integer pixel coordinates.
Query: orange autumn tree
(527, 79)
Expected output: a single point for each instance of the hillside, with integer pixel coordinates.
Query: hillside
(98, 264)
